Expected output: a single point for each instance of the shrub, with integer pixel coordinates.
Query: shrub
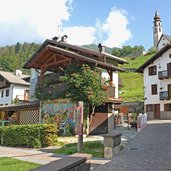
(38, 135)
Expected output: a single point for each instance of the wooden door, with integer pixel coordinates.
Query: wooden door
(169, 91)
(169, 70)
(156, 111)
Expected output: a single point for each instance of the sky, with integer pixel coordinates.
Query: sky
(114, 23)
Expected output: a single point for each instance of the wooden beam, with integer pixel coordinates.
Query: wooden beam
(111, 77)
(84, 58)
(55, 63)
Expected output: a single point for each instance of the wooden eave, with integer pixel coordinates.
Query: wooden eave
(20, 106)
(53, 57)
(42, 51)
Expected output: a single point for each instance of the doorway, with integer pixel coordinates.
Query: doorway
(156, 111)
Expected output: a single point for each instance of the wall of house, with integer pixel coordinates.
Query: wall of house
(14, 90)
(115, 80)
(165, 115)
(18, 91)
(162, 42)
(161, 64)
(5, 100)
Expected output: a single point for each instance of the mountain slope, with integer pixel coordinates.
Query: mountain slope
(132, 82)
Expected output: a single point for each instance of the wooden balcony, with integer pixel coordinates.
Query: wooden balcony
(51, 85)
(4, 84)
(110, 90)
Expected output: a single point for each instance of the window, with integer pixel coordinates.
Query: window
(167, 107)
(152, 70)
(2, 93)
(154, 89)
(169, 55)
(149, 108)
(7, 93)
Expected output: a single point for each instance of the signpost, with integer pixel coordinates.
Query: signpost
(79, 125)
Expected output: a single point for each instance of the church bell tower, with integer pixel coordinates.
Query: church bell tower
(157, 29)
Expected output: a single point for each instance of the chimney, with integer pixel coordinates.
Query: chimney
(55, 38)
(18, 72)
(101, 48)
(63, 38)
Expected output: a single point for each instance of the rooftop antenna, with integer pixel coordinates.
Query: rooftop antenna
(99, 34)
(59, 30)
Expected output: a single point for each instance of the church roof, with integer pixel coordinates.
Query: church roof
(157, 13)
(168, 37)
(153, 58)
(157, 16)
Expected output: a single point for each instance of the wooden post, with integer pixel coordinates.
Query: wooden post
(79, 125)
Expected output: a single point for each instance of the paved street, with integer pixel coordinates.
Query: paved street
(150, 150)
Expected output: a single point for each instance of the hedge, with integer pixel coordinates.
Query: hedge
(38, 135)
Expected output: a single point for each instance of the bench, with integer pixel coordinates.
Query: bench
(71, 163)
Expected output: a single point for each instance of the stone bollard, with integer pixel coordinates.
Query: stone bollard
(111, 144)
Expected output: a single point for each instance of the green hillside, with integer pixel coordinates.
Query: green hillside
(14, 57)
(132, 82)
(137, 62)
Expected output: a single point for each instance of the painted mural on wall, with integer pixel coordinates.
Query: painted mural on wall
(61, 112)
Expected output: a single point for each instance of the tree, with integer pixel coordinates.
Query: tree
(152, 50)
(85, 84)
(128, 51)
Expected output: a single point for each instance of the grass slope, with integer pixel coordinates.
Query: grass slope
(10, 164)
(137, 62)
(132, 82)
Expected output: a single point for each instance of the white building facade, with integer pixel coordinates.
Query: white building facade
(157, 85)
(12, 87)
(157, 76)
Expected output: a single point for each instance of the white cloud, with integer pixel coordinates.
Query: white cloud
(80, 35)
(37, 19)
(115, 28)
(113, 32)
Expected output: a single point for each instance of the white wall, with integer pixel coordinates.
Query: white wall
(114, 81)
(161, 64)
(14, 90)
(162, 43)
(5, 99)
(18, 91)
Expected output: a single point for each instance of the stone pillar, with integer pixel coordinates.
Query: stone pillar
(111, 143)
(33, 83)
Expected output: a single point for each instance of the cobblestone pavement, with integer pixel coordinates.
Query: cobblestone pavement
(150, 150)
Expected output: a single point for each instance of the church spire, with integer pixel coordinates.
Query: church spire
(157, 28)
(157, 13)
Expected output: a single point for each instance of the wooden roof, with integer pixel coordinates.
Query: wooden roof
(19, 106)
(54, 54)
(13, 79)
